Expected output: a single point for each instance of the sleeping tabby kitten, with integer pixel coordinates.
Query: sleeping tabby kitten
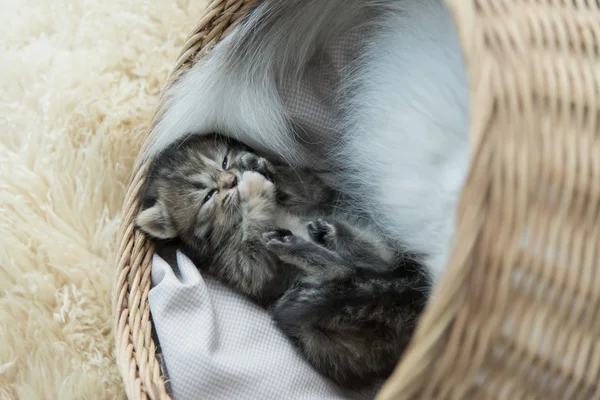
(336, 287)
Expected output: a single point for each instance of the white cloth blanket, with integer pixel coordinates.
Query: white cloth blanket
(218, 345)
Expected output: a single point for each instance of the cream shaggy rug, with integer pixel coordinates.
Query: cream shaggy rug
(78, 83)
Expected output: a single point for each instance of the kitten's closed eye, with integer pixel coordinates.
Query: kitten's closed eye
(209, 196)
(225, 164)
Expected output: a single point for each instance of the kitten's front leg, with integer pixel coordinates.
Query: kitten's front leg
(257, 196)
(308, 256)
(253, 269)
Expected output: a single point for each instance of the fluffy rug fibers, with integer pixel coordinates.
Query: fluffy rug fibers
(78, 84)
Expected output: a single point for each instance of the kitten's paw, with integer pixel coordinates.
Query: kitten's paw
(252, 162)
(252, 185)
(279, 240)
(277, 234)
(322, 232)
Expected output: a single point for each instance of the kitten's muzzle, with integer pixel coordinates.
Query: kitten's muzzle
(228, 181)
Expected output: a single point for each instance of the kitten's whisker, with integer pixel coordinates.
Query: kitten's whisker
(231, 207)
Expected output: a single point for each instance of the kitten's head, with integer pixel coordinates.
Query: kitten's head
(192, 193)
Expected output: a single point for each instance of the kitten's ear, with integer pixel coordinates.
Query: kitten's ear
(156, 222)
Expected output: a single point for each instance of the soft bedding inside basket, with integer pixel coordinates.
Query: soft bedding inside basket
(218, 345)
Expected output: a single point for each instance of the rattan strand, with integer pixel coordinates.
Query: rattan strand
(496, 326)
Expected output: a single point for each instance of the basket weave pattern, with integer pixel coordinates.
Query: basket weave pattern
(515, 314)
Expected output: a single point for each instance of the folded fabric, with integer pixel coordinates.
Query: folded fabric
(217, 344)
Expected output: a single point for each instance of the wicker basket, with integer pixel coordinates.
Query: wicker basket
(516, 313)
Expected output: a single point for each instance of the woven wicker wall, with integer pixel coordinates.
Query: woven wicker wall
(515, 315)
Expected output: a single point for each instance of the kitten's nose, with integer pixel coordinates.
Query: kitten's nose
(228, 181)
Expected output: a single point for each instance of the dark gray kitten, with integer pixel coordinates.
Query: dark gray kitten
(334, 285)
